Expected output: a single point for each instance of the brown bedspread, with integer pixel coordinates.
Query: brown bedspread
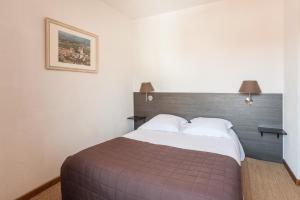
(125, 169)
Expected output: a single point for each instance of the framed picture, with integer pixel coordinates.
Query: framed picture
(69, 48)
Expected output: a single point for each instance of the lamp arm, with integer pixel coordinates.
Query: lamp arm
(249, 99)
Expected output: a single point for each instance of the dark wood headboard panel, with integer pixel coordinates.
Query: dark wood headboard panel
(266, 110)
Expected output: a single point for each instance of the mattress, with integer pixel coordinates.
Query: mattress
(139, 166)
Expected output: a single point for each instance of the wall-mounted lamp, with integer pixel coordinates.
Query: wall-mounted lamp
(250, 88)
(145, 89)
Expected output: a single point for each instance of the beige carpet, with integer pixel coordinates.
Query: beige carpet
(261, 181)
(267, 181)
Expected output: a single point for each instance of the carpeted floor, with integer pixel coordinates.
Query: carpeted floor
(267, 181)
(261, 181)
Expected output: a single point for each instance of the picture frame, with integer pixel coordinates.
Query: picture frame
(69, 48)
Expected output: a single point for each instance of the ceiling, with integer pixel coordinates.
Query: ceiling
(145, 8)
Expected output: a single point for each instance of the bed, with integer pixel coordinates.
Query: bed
(156, 165)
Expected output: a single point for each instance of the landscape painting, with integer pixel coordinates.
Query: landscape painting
(70, 49)
(73, 49)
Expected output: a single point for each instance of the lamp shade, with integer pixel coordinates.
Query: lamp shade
(146, 87)
(250, 87)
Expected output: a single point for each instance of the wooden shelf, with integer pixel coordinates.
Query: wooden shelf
(270, 130)
(137, 118)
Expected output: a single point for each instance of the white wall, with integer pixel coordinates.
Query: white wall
(48, 115)
(213, 47)
(292, 86)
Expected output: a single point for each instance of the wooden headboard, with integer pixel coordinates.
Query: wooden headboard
(266, 110)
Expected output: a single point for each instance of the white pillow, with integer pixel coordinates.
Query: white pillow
(208, 127)
(226, 123)
(164, 122)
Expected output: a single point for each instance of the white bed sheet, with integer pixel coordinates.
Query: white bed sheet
(225, 146)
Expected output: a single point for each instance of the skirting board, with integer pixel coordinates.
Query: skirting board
(297, 181)
(40, 189)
